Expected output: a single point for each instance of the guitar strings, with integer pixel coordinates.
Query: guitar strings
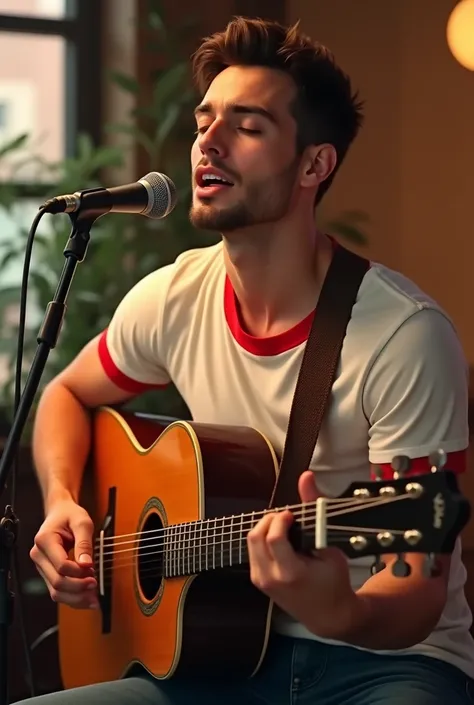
(176, 533)
(218, 545)
(176, 542)
(212, 538)
(215, 555)
(249, 517)
(302, 506)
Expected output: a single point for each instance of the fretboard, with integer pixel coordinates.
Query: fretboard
(212, 543)
(206, 545)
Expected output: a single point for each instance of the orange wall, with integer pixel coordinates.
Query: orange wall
(411, 168)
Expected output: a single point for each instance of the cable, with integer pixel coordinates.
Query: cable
(17, 396)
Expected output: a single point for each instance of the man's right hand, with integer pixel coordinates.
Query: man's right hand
(67, 526)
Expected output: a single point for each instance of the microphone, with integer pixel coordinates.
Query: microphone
(154, 195)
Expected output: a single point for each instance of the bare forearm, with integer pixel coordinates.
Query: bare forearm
(386, 622)
(61, 442)
(396, 613)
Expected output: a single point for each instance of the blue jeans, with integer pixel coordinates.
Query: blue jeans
(295, 672)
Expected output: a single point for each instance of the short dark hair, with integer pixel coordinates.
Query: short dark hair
(325, 109)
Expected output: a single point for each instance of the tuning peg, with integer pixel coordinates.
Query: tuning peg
(401, 569)
(377, 473)
(437, 459)
(431, 566)
(377, 566)
(400, 465)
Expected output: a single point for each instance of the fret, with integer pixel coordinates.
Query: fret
(241, 537)
(184, 530)
(177, 549)
(171, 551)
(222, 542)
(195, 546)
(182, 557)
(207, 543)
(214, 539)
(183, 549)
(201, 526)
(189, 549)
(231, 540)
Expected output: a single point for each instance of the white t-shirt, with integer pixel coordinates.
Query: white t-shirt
(400, 388)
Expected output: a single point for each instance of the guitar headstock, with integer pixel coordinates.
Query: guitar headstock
(422, 513)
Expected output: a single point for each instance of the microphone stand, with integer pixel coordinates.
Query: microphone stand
(74, 252)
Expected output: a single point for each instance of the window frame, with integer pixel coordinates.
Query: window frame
(81, 27)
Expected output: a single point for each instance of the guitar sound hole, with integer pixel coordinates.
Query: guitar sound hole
(150, 556)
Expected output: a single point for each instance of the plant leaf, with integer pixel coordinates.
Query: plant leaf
(14, 144)
(166, 125)
(126, 82)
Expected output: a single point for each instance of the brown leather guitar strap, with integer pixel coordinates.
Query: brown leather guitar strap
(318, 369)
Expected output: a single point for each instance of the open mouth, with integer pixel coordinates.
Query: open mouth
(210, 182)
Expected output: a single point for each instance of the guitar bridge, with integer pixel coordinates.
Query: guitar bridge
(106, 553)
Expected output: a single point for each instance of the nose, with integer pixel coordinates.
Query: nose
(212, 142)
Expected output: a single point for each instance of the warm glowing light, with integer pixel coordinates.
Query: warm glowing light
(460, 33)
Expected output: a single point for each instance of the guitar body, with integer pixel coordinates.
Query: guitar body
(145, 477)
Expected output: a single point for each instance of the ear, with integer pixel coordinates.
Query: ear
(319, 161)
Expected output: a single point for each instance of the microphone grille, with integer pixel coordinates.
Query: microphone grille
(162, 196)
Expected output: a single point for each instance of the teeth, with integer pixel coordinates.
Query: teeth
(207, 177)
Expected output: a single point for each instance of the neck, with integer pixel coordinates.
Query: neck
(277, 273)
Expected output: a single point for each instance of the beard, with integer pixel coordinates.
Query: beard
(267, 202)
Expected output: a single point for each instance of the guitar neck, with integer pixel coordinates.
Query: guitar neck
(421, 515)
(222, 542)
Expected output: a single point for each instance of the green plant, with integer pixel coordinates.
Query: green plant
(123, 249)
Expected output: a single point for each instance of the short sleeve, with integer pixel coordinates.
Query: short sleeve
(130, 348)
(416, 392)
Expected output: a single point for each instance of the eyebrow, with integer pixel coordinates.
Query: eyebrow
(238, 109)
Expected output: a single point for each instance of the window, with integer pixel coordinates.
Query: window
(49, 78)
(3, 115)
(50, 68)
(34, 8)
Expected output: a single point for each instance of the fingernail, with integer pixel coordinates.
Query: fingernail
(94, 606)
(84, 558)
(92, 586)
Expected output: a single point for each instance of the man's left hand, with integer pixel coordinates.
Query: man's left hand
(316, 590)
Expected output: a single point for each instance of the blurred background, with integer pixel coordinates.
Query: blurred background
(98, 92)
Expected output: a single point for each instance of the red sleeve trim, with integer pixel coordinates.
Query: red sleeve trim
(116, 376)
(456, 462)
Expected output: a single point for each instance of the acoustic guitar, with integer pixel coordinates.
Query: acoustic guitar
(173, 503)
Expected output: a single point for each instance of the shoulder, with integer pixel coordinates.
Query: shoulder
(195, 268)
(415, 382)
(391, 307)
(179, 279)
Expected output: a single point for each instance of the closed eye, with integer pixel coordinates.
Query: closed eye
(246, 130)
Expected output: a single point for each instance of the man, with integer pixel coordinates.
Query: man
(228, 325)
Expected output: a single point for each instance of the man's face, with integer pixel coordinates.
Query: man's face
(246, 135)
